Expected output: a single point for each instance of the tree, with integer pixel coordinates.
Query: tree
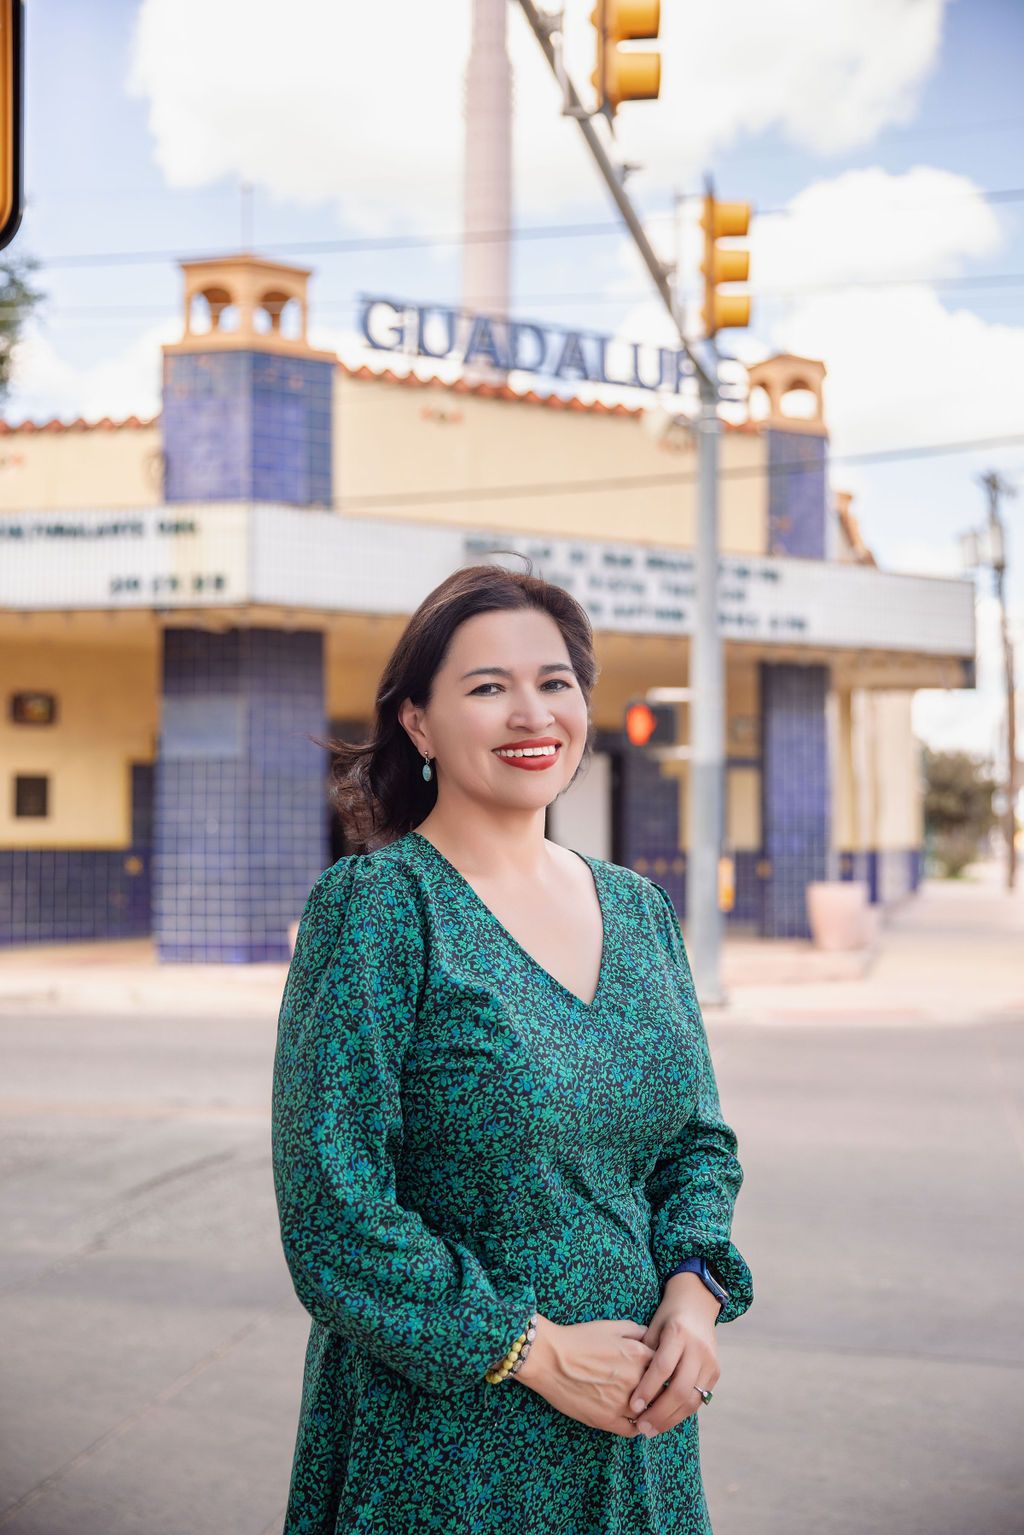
(958, 811)
(18, 298)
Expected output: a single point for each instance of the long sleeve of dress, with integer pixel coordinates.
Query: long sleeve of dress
(362, 1264)
(693, 1187)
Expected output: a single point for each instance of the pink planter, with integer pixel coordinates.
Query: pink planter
(839, 914)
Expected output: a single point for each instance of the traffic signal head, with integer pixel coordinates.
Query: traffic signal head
(11, 114)
(650, 724)
(621, 74)
(724, 311)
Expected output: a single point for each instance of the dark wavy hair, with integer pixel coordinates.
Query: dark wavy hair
(377, 786)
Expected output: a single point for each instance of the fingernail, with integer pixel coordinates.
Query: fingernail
(645, 1429)
(639, 1404)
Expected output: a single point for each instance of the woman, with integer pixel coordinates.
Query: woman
(496, 1125)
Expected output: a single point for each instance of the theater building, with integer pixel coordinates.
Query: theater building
(184, 599)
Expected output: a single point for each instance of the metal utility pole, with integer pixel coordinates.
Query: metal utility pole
(995, 487)
(707, 714)
(707, 711)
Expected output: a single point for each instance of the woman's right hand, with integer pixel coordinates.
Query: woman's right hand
(588, 1370)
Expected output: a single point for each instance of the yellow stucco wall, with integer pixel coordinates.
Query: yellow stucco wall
(423, 453)
(900, 813)
(107, 699)
(845, 800)
(882, 800)
(743, 831)
(119, 468)
(416, 452)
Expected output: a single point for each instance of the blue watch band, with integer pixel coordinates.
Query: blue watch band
(700, 1266)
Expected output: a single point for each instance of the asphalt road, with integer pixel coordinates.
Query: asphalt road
(151, 1343)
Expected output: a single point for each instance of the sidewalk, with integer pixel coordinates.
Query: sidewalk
(951, 953)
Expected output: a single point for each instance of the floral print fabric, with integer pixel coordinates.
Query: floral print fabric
(458, 1141)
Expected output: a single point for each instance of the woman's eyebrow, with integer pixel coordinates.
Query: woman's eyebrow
(502, 671)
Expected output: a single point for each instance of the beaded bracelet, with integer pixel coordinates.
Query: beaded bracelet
(516, 1354)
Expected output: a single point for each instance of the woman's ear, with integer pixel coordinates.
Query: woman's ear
(410, 718)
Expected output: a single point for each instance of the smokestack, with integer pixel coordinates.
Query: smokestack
(487, 185)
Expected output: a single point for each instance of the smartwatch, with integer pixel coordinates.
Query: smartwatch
(700, 1266)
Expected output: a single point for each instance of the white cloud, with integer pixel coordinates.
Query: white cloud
(122, 383)
(904, 369)
(361, 107)
(924, 222)
(905, 365)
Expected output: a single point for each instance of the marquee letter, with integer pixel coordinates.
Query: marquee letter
(680, 369)
(483, 342)
(422, 347)
(637, 380)
(521, 328)
(604, 377)
(394, 335)
(572, 357)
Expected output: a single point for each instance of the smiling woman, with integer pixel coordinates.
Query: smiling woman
(498, 1150)
(380, 787)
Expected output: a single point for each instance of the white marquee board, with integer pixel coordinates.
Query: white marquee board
(191, 556)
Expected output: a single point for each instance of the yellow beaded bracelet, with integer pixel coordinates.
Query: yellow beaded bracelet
(515, 1356)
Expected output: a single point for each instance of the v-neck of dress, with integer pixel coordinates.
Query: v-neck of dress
(554, 981)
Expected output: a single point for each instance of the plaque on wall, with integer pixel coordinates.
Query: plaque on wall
(33, 708)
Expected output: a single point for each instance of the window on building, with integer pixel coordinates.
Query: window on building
(31, 795)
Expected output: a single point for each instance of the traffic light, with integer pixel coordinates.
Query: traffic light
(622, 74)
(650, 724)
(11, 114)
(724, 311)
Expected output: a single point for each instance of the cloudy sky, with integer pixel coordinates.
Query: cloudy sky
(878, 140)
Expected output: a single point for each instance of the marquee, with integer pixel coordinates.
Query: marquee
(572, 356)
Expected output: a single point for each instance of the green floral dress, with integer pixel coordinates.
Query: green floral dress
(459, 1140)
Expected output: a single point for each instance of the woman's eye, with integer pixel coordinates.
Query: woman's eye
(557, 681)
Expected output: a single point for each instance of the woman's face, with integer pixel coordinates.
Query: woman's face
(507, 679)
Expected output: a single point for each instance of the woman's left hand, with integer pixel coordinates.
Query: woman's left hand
(682, 1334)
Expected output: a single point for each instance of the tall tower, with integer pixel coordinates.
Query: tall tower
(240, 831)
(487, 186)
(246, 400)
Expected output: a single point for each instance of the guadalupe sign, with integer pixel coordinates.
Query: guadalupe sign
(579, 356)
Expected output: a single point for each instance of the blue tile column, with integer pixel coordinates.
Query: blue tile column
(241, 817)
(797, 494)
(646, 816)
(796, 808)
(247, 426)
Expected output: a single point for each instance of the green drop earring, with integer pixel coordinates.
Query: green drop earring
(428, 771)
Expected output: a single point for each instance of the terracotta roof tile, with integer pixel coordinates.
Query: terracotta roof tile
(78, 425)
(482, 390)
(488, 391)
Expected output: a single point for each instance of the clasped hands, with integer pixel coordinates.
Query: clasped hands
(682, 1335)
(604, 1373)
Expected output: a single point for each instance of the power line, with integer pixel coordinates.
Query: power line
(528, 490)
(376, 244)
(993, 280)
(525, 232)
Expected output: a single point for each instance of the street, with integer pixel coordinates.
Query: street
(153, 1346)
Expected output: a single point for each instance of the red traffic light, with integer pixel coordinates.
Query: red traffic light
(641, 724)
